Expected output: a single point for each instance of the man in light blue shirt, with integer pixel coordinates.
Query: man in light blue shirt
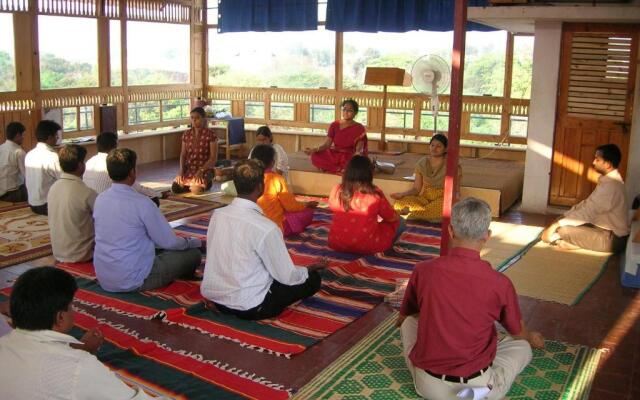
(129, 228)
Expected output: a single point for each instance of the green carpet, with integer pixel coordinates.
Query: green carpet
(375, 369)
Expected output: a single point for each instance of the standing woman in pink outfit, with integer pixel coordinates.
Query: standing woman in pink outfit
(345, 138)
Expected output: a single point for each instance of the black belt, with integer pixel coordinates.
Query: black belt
(458, 379)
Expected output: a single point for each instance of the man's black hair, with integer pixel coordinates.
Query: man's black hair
(611, 153)
(106, 141)
(39, 295)
(265, 153)
(14, 129)
(46, 129)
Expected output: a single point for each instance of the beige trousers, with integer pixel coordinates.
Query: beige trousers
(511, 358)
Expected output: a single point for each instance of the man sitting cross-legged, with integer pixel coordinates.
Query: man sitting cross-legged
(449, 311)
(599, 222)
(70, 204)
(39, 359)
(41, 166)
(96, 175)
(129, 227)
(249, 272)
(12, 187)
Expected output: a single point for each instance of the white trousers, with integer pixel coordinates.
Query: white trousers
(511, 358)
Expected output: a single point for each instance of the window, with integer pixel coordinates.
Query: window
(283, 111)
(485, 124)
(484, 57)
(7, 51)
(144, 112)
(68, 59)
(175, 109)
(153, 65)
(518, 126)
(283, 59)
(254, 109)
(86, 118)
(77, 119)
(428, 122)
(115, 53)
(361, 116)
(69, 119)
(212, 12)
(522, 67)
(399, 50)
(399, 119)
(484, 63)
(322, 11)
(221, 105)
(322, 113)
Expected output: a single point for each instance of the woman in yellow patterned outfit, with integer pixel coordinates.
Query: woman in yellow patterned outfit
(424, 199)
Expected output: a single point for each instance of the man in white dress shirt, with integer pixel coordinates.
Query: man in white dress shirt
(38, 357)
(41, 166)
(600, 222)
(96, 175)
(248, 272)
(12, 187)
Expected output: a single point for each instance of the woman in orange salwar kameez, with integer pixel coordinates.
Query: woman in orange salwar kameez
(345, 138)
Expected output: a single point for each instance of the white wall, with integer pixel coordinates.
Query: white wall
(633, 164)
(542, 111)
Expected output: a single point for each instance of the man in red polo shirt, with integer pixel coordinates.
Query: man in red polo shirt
(448, 316)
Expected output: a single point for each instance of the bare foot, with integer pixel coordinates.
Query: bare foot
(211, 306)
(5, 308)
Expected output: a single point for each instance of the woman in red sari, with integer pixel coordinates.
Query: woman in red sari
(345, 138)
(363, 220)
(197, 157)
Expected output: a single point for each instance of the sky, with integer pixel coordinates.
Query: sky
(238, 49)
(75, 39)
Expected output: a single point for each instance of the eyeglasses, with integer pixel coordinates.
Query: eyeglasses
(348, 110)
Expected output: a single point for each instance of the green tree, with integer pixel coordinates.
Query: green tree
(7, 72)
(58, 73)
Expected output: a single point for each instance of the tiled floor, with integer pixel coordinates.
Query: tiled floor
(607, 317)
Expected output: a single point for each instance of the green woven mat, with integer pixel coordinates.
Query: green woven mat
(375, 369)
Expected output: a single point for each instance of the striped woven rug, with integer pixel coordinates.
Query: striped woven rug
(160, 370)
(351, 287)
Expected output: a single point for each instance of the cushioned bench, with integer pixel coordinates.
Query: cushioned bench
(630, 266)
(497, 182)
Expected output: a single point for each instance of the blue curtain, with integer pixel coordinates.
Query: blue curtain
(396, 15)
(267, 15)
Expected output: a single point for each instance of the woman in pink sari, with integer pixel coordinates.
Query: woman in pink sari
(345, 138)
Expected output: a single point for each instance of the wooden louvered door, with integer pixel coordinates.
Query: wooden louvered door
(595, 99)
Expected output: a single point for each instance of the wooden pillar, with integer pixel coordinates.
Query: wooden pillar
(505, 120)
(338, 73)
(455, 110)
(123, 66)
(204, 60)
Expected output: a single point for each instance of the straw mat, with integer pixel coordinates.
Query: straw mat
(507, 243)
(548, 273)
(375, 369)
